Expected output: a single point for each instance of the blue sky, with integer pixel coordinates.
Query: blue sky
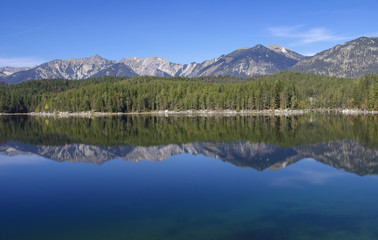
(180, 31)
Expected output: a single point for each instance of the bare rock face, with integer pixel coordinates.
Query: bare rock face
(352, 59)
(194, 69)
(152, 66)
(118, 70)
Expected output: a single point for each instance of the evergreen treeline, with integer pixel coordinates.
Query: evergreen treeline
(154, 130)
(284, 90)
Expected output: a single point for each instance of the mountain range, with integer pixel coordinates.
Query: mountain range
(6, 71)
(349, 155)
(352, 59)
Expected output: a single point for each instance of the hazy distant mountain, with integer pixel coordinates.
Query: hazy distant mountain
(6, 71)
(349, 155)
(68, 69)
(352, 59)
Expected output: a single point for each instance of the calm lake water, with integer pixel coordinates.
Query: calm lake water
(144, 177)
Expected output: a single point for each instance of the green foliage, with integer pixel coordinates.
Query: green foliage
(284, 90)
(145, 130)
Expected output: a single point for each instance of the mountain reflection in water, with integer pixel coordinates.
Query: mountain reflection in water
(348, 155)
(201, 189)
(344, 142)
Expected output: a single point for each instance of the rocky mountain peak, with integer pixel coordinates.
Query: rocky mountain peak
(286, 52)
(365, 40)
(156, 59)
(244, 48)
(242, 52)
(277, 48)
(152, 66)
(97, 57)
(259, 46)
(244, 62)
(132, 58)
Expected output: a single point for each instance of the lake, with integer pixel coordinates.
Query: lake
(312, 176)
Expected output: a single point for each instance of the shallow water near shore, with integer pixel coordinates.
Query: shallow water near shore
(298, 177)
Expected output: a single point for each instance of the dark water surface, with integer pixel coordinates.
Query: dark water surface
(297, 177)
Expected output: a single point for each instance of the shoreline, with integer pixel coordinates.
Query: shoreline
(284, 112)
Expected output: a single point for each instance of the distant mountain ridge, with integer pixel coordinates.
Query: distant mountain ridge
(257, 60)
(352, 59)
(6, 71)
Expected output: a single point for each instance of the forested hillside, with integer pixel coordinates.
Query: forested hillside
(284, 90)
